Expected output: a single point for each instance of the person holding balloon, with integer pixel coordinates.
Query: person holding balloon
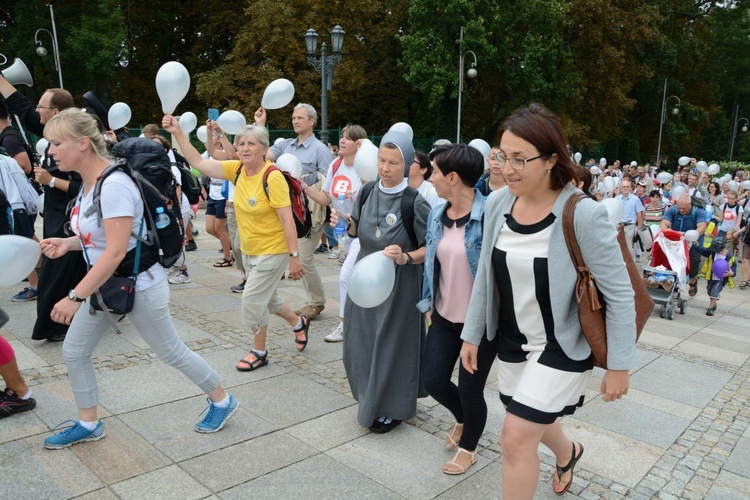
(383, 342)
(267, 232)
(683, 216)
(524, 293)
(719, 268)
(454, 240)
(77, 145)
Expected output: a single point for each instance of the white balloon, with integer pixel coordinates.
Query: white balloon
(481, 146)
(40, 204)
(684, 160)
(202, 134)
(745, 184)
(713, 169)
(618, 181)
(692, 235)
(119, 115)
(596, 170)
(663, 177)
(404, 128)
(188, 121)
(577, 157)
(41, 146)
(278, 94)
(372, 280)
(654, 231)
(733, 185)
(19, 256)
(677, 192)
(172, 85)
(615, 210)
(726, 178)
(608, 184)
(231, 121)
(278, 141)
(602, 162)
(633, 163)
(366, 161)
(702, 166)
(289, 163)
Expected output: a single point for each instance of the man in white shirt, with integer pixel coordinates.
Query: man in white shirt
(633, 214)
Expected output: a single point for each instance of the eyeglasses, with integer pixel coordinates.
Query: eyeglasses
(45, 107)
(516, 163)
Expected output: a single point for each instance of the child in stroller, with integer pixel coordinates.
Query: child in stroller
(666, 274)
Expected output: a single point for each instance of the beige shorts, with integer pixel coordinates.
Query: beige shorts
(260, 298)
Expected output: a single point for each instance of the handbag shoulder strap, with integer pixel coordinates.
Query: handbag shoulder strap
(585, 279)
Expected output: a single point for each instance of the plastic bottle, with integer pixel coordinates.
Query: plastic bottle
(339, 232)
(162, 219)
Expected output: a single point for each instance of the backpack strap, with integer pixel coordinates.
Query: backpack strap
(237, 175)
(265, 179)
(336, 165)
(407, 213)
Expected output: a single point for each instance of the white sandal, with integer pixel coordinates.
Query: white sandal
(461, 468)
(451, 443)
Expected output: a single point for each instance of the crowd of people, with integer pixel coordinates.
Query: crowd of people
(472, 239)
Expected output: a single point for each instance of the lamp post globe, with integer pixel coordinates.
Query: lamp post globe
(41, 51)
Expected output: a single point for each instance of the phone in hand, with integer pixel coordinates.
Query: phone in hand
(213, 114)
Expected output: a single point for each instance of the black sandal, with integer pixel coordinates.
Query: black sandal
(562, 470)
(245, 365)
(301, 344)
(224, 263)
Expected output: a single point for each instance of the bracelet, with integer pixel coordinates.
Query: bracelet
(409, 259)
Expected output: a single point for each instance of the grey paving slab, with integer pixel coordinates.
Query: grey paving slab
(111, 344)
(486, 483)
(407, 460)
(729, 486)
(20, 426)
(170, 428)
(330, 430)
(100, 494)
(224, 361)
(166, 483)
(712, 353)
(28, 471)
(663, 405)
(290, 399)
(55, 403)
(25, 357)
(226, 468)
(739, 460)
(318, 476)
(724, 341)
(627, 418)
(218, 302)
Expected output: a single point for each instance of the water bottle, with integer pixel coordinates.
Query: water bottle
(162, 219)
(339, 232)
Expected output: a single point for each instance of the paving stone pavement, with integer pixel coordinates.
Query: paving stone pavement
(681, 432)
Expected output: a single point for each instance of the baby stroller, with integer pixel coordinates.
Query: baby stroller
(666, 275)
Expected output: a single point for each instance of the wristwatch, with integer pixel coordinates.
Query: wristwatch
(409, 259)
(293, 254)
(72, 295)
(52, 183)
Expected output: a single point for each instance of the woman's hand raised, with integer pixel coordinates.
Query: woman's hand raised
(170, 124)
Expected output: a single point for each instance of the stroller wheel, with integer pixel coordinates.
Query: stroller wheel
(671, 311)
(683, 306)
(663, 311)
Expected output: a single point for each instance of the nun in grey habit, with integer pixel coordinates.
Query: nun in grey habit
(383, 345)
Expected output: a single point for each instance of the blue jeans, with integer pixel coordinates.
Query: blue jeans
(332, 241)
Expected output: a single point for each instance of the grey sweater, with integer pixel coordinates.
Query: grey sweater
(597, 238)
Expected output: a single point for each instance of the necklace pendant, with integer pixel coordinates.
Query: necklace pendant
(378, 233)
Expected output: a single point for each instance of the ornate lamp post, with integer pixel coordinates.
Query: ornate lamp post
(734, 132)
(324, 64)
(471, 73)
(674, 110)
(42, 51)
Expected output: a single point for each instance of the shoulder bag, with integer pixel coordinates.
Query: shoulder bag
(591, 306)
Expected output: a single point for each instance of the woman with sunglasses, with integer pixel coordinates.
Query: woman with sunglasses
(524, 293)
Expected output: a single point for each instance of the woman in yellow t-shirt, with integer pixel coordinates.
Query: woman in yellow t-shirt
(268, 235)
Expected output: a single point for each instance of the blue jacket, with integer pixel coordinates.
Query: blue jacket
(472, 240)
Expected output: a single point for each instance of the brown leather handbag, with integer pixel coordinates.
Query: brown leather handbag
(591, 310)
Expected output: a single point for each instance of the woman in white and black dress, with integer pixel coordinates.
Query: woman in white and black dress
(524, 293)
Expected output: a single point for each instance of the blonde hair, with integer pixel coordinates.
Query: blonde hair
(72, 123)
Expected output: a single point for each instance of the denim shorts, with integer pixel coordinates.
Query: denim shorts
(714, 288)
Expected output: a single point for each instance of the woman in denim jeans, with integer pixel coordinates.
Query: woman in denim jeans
(454, 240)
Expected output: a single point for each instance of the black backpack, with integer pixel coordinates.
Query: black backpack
(407, 208)
(148, 165)
(6, 215)
(300, 211)
(191, 186)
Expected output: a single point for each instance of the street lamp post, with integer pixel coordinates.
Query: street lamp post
(734, 132)
(675, 110)
(41, 51)
(324, 64)
(471, 73)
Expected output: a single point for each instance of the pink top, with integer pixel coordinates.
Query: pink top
(455, 275)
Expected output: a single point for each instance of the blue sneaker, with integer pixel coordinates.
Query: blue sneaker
(73, 435)
(216, 418)
(25, 295)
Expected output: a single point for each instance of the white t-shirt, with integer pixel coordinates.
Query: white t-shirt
(429, 193)
(119, 198)
(184, 203)
(346, 182)
(731, 214)
(214, 191)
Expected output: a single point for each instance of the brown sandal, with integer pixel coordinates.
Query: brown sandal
(692, 288)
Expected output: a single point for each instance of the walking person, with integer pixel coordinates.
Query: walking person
(77, 145)
(527, 300)
(454, 239)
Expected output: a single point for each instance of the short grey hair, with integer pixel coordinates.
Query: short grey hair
(258, 132)
(311, 113)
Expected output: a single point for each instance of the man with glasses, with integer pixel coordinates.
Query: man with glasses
(57, 276)
(633, 214)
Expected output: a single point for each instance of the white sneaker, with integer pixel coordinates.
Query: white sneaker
(173, 271)
(334, 254)
(337, 335)
(180, 278)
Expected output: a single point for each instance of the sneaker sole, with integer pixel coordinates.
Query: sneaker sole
(23, 300)
(337, 339)
(223, 423)
(21, 409)
(85, 440)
